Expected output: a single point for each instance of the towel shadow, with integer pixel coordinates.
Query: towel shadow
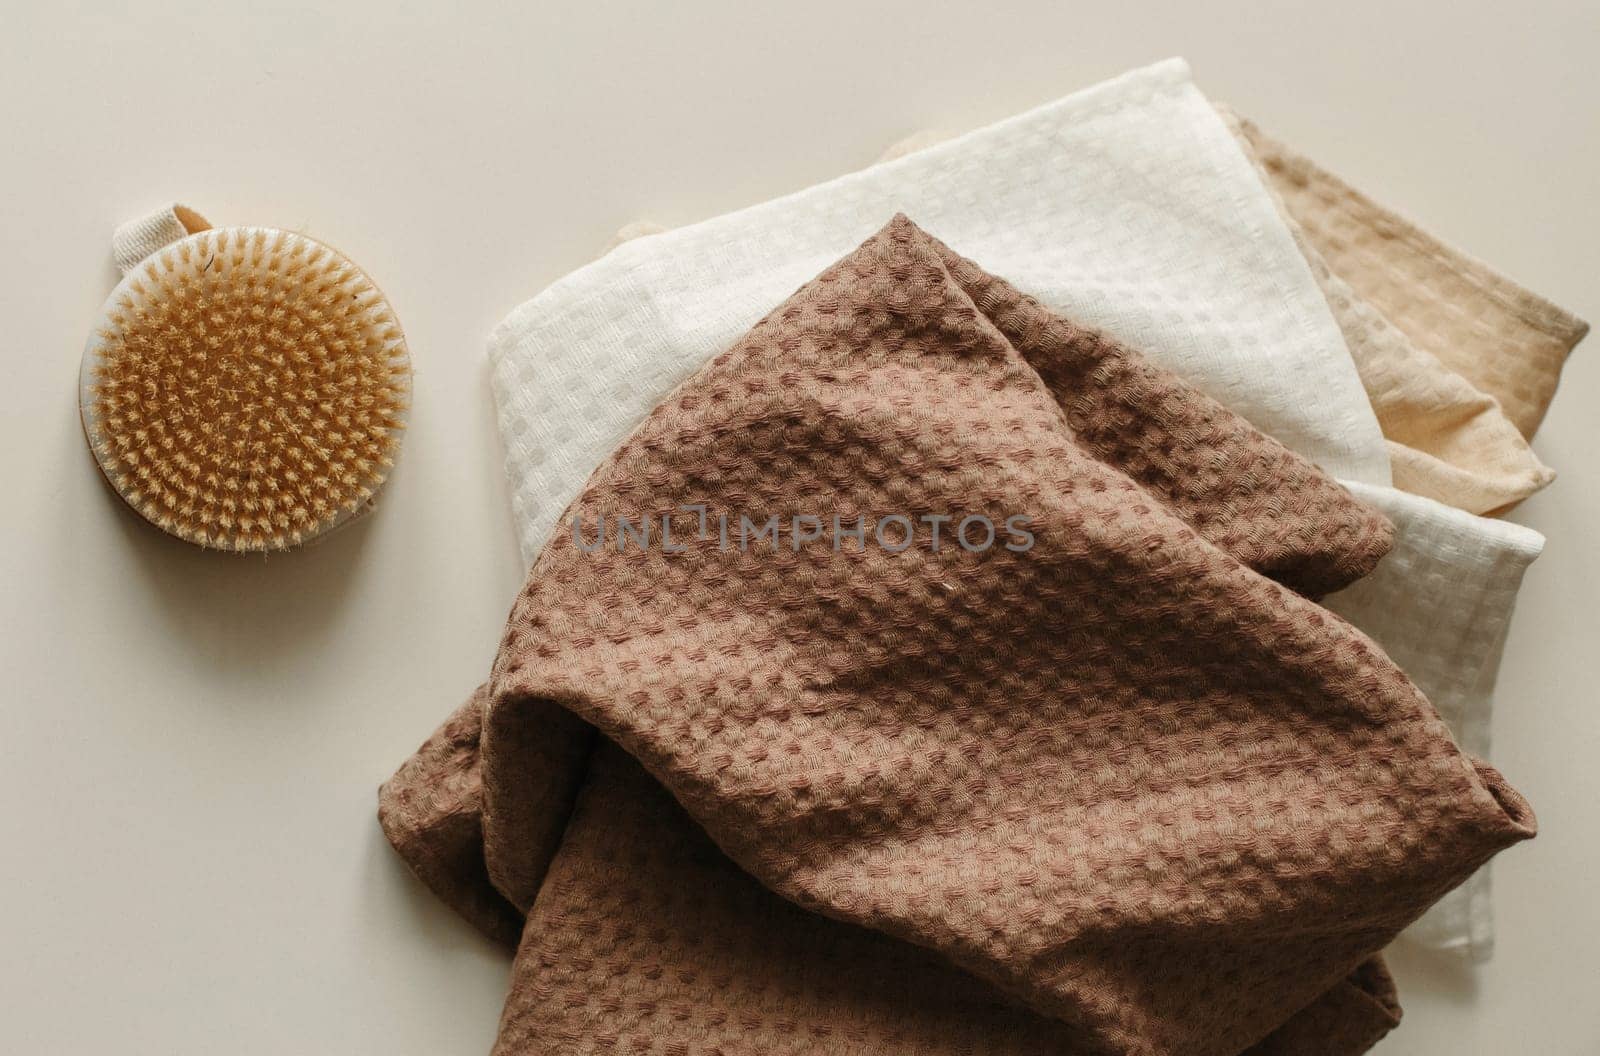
(1443, 975)
(429, 920)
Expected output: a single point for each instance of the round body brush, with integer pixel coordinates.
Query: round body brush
(246, 388)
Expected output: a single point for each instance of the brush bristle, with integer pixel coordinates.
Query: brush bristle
(249, 389)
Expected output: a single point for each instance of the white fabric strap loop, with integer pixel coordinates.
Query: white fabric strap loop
(135, 240)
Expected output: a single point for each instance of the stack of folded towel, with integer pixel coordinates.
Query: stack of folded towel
(1159, 767)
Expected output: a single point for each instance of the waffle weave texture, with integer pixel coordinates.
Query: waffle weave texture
(1128, 207)
(581, 364)
(1442, 556)
(1506, 341)
(1448, 440)
(1127, 790)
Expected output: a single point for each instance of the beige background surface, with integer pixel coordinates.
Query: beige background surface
(190, 744)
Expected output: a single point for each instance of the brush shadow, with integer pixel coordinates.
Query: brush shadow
(247, 615)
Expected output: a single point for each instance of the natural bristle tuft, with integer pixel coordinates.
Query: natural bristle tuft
(247, 390)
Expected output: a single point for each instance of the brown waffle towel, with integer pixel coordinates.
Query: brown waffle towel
(1126, 789)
